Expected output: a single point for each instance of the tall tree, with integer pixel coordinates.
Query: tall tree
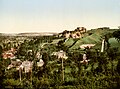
(116, 34)
(2, 70)
(0, 52)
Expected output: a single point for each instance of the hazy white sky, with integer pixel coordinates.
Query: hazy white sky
(57, 15)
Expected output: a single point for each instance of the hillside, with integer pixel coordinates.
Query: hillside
(93, 36)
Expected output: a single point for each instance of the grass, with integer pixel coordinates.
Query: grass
(92, 39)
(56, 41)
(114, 43)
(69, 42)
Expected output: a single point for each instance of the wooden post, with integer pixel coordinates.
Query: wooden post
(62, 70)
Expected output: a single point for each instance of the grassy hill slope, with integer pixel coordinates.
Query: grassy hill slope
(93, 37)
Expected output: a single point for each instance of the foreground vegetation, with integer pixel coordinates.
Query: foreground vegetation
(102, 72)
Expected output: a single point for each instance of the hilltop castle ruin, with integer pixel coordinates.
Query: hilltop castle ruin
(77, 33)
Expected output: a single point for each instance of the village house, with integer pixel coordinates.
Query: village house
(9, 54)
(83, 46)
(15, 63)
(60, 54)
(85, 60)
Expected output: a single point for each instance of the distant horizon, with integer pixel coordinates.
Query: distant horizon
(27, 32)
(54, 32)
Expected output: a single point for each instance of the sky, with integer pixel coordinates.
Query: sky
(57, 15)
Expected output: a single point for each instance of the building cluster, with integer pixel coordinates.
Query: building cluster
(24, 66)
(77, 33)
(9, 54)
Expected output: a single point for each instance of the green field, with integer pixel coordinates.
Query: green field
(114, 43)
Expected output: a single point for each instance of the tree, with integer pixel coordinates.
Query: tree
(1, 74)
(0, 52)
(61, 46)
(116, 34)
(119, 27)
